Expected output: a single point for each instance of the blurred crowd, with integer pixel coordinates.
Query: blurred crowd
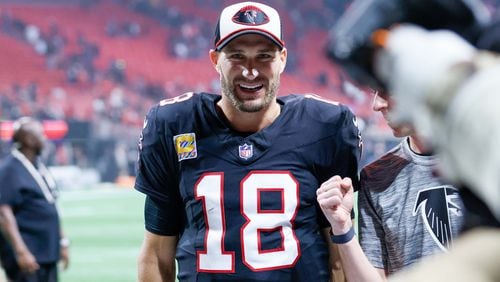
(105, 97)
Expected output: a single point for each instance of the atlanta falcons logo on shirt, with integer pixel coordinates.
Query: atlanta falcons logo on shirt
(435, 205)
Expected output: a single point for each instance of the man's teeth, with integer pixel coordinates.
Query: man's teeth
(251, 87)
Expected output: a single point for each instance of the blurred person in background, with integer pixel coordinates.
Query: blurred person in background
(231, 179)
(406, 212)
(32, 241)
(401, 199)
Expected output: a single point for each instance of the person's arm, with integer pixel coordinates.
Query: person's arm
(10, 230)
(64, 252)
(156, 260)
(334, 261)
(356, 265)
(335, 197)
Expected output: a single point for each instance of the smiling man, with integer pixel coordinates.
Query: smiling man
(231, 178)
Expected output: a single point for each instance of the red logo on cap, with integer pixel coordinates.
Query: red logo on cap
(250, 15)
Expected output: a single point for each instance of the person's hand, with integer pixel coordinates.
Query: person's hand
(335, 197)
(26, 261)
(64, 260)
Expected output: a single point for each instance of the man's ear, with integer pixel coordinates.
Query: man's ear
(214, 58)
(283, 56)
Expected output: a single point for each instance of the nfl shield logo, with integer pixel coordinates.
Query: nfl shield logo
(246, 151)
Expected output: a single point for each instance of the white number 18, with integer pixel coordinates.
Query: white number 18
(209, 189)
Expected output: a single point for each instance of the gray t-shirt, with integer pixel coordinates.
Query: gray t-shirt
(405, 212)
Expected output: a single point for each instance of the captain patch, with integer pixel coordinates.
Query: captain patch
(185, 145)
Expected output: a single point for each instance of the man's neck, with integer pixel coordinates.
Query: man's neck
(29, 154)
(417, 146)
(246, 122)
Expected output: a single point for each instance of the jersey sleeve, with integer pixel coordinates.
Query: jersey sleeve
(349, 148)
(370, 229)
(341, 148)
(157, 175)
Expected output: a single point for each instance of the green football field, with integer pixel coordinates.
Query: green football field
(105, 226)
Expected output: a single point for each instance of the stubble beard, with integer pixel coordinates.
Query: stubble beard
(229, 90)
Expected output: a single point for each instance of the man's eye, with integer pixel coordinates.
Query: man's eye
(236, 56)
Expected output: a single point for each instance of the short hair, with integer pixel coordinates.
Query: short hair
(18, 127)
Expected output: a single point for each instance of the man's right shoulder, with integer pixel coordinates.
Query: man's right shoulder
(175, 108)
(8, 166)
(7, 161)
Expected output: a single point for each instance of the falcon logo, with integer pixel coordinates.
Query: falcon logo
(250, 15)
(435, 205)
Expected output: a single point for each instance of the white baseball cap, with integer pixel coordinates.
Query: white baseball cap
(248, 17)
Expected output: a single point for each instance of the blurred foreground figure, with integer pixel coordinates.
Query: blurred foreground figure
(353, 43)
(454, 103)
(448, 89)
(32, 243)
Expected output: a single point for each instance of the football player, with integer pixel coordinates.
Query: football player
(231, 178)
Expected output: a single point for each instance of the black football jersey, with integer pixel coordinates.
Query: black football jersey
(245, 205)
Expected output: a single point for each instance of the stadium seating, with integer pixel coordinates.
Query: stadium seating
(146, 56)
